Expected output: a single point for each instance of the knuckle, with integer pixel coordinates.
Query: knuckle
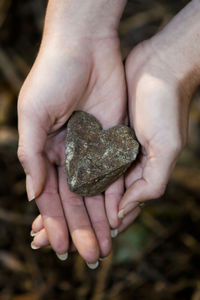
(96, 198)
(51, 192)
(75, 201)
(98, 224)
(158, 191)
(114, 195)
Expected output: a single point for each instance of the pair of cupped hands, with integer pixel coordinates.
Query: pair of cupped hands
(87, 73)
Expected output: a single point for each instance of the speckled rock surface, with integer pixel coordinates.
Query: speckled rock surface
(95, 157)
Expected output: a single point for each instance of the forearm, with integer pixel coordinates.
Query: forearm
(178, 45)
(88, 18)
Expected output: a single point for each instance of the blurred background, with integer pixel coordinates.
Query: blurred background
(158, 257)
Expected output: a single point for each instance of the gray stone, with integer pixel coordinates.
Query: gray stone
(95, 157)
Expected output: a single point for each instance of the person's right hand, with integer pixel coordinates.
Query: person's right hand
(73, 71)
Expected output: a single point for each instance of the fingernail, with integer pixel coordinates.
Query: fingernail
(34, 247)
(63, 256)
(114, 233)
(33, 233)
(93, 266)
(102, 258)
(29, 188)
(121, 214)
(127, 209)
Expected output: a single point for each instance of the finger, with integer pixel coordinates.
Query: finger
(37, 224)
(134, 172)
(128, 219)
(113, 196)
(96, 211)
(52, 214)
(150, 186)
(40, 239)
(32, 138)
(78, 221)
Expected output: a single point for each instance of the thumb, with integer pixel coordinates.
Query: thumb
(151, 185)
(32, 138)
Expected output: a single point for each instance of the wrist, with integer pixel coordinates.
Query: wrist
(83, 19)
(178, 46)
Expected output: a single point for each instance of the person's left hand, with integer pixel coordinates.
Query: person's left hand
(106, 100)
(79, 67)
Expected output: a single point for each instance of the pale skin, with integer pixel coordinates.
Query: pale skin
(73, 71)
(159, 93)
(162, 74)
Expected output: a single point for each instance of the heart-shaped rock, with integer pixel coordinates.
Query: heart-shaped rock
(95, 157)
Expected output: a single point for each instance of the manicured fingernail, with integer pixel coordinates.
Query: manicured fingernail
(29, 188)
(34, 247)
(127, 209)
(33, 233)
(114, 233)
(93, 266)
(102, 258)
(63, 256)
